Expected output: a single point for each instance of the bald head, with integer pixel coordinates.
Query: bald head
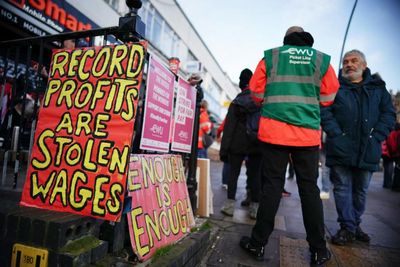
(294, 29)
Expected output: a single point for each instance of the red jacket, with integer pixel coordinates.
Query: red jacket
(204, 127)
(385, 150)
(393, 144)
(221, 128)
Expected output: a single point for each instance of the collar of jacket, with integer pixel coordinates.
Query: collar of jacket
(368, 79)
(244, 100)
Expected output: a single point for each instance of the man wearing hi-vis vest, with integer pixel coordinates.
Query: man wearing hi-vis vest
(291, 82)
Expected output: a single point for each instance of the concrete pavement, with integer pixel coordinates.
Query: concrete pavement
(287, 245)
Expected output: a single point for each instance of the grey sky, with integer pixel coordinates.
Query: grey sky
(237, 32)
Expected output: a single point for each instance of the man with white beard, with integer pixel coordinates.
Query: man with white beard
(360, 118)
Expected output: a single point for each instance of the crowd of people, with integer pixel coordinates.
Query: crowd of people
(308, 118)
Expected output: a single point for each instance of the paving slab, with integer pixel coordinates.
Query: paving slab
(288, 246)
(227, 252)
(352, 256)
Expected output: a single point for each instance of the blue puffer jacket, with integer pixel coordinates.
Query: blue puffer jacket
(358, 121)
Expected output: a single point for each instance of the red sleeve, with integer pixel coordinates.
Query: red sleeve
(329, 87)
(205, 123)
(258, 82)
(221, 128)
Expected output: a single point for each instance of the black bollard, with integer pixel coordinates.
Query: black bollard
(131, 27)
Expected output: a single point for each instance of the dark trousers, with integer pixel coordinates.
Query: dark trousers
(291, 169)
(305, 162)
(253, 172)
(225, 173)
(388, 169)
(396, 177)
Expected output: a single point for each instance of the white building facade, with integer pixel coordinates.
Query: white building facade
(168, 30)
(171, 34)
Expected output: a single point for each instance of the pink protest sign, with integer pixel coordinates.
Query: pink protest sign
(184, 117)
(161, 213)
(156, 128)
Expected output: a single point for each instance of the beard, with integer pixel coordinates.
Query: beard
(354, 75)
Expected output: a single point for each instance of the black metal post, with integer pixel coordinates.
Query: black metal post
(191, 179)
(345, 35)
(131, 27)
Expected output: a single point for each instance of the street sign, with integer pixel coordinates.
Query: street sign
(26, 256)
(194, 66)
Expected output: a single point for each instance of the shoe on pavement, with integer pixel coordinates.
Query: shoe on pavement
(320, 258)
(245, 202)
(361, 235)
(286, 193)
(253, 210)
(224, 186)
(342, 237)
(324, 195)
(256, 252)
(228, 207)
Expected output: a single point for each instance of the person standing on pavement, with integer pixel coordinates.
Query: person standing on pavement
(236, 146)
(225, 171)
(205, 127)
(356, 124)
(387, 165)
(291, 82)
(225, 168)
(391, 157)
(325, 172)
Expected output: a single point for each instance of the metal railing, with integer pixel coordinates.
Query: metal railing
(24, 64)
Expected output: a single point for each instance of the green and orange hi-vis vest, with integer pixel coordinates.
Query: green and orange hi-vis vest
(292, 93)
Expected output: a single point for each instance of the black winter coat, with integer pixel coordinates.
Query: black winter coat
(235, 139)
(358, 121)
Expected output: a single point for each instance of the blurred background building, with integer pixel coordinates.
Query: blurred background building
(168, 30)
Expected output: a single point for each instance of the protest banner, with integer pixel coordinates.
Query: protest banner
(184, 117)
(80, 155)
(161, 213)
(156, 130)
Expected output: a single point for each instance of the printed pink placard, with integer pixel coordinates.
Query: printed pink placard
(160, 213)
(159, 101)
(184, 117)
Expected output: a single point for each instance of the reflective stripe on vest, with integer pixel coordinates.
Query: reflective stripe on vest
(326, 98)
(258, 95)
(291, 99)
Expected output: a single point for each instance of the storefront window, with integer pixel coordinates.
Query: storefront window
(142, 11)
(114, 4)
(215, 90)
(213, 104)
(156, 31)
(182, 51)
(166, 45)
(175, 45)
